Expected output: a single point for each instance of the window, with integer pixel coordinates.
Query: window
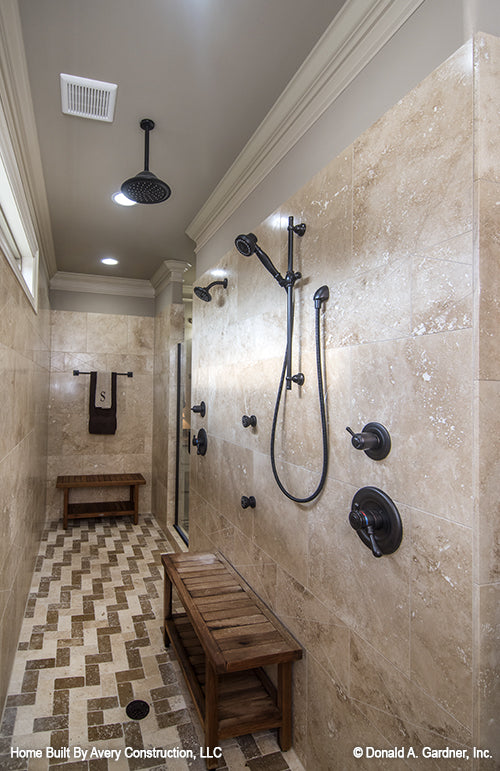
(17, 239)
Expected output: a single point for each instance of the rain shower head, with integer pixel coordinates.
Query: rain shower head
(145, 187)
(203, 292)
(247, 245)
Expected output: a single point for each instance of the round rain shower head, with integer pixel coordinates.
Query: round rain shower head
(246, 244)
(145, 187)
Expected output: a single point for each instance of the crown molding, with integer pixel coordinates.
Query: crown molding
(17, 105)
(354, 37)
(86, 282)
(169, 271)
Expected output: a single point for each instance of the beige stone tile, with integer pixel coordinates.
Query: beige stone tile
(412, 388)
(68, 331)
(441, 613)
(441, 296)
(396, 209)
(487, 535)
(377, 683)
(335, 724)
(106, 333)
(341, 568)
(281, 525)
(488, 692)
(237, 481)
(316, 628)
(487, 65)
(488, 198)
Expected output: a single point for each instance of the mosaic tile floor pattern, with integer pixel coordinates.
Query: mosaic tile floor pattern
(91, 642)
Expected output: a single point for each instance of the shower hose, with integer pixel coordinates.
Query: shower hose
(322, 410)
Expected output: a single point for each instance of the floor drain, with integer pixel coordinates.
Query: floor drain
(137, 709)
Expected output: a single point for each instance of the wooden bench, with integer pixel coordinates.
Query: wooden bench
(101, 508)
(222, 641)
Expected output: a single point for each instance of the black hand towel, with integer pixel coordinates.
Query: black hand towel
(102, 420)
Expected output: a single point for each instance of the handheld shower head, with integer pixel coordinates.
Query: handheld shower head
(247, 245)
(203, 292)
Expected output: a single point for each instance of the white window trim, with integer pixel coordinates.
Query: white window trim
(17, 236)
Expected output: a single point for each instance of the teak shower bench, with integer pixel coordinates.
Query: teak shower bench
(222, 641)
(101, 508)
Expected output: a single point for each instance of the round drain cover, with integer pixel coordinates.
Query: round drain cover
(137, 709)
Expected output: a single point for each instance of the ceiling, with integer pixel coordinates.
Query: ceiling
(206, 71)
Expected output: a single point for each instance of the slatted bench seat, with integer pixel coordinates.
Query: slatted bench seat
(224, 637)
(101, 508)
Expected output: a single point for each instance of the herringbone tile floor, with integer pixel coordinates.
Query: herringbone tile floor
(91, 642)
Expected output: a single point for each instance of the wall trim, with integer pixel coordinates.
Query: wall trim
(168, 272)
(86, 282)
(357, 33)
(15, 95)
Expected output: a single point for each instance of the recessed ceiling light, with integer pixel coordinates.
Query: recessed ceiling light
(109, 261)
(122, 199)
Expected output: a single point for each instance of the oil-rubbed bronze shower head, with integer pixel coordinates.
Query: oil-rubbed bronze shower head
(203, 291)
(145, 187)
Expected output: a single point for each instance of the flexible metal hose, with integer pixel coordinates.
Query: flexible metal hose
(322, 410)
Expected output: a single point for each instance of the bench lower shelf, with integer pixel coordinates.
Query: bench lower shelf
(100, 509)
(246, 700)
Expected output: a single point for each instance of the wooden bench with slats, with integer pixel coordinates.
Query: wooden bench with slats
(101, 508)
(224, 637)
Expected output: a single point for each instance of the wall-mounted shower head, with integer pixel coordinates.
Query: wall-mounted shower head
(247, 245)
(203, 292)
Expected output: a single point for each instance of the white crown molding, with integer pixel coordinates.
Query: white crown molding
(169, 271)
(354, 37)
(17, 105)
(85, 282)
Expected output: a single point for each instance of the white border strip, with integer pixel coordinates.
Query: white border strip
(355, 36)
(84, 282)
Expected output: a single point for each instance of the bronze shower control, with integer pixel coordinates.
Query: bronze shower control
(374, 440)
(376, 520)
(201, 441)
(249, 420)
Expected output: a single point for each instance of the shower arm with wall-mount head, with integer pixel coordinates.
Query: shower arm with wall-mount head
(203, 292)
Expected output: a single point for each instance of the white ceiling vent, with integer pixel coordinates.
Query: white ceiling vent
(88, 98)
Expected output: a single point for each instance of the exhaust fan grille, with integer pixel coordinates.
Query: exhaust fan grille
(86, 98)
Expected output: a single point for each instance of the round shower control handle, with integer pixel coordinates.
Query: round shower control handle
(246, 502)
(375, 518)
(201, 441)
(200, 408)
(249, 420)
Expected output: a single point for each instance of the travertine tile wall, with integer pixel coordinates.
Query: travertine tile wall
(169, 331)
(404, 230)
(24, 377)
(101, 342)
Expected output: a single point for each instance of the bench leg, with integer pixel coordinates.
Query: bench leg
(167, 607)
(65, 507)
(211, 713)
(134, 496)
(285, 705)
